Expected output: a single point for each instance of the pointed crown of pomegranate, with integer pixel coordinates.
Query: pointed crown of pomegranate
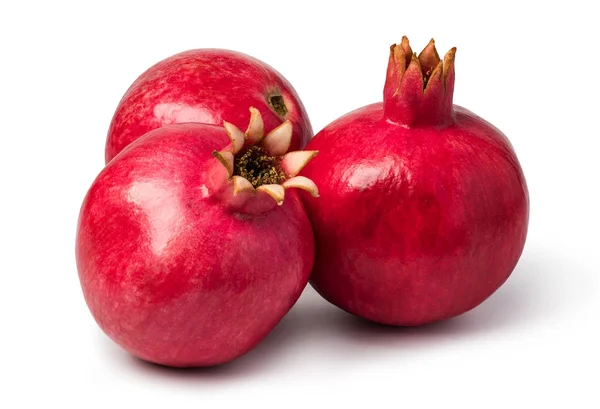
(418, 89)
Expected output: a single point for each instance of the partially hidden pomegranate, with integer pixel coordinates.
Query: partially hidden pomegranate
(206, 86)
(424, 207)
(191, 246)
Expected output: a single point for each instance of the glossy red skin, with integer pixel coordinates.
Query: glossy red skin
(172, 273)
(414, 225)
(206, 86)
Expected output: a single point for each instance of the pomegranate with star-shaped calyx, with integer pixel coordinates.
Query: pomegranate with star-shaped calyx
(192, 243)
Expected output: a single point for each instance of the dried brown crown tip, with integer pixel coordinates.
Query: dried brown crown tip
(256, 162)
(449, 61)
(405, 48)
(428, 62)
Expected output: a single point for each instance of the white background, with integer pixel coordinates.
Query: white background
(532, 70)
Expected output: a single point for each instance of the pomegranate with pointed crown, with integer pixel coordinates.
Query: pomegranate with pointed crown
(424, 207)
(209, 86)
(192, 243)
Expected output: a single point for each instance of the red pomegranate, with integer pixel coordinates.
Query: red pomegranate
(189, 256)
(206, 86)
(424, 208)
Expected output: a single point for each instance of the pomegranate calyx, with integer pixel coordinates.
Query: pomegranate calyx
(429, 60)
(256, 127)
(241, 184)
(236, 136)
(277, 192)
(293, 162)
(278, 141)
(419, 88)
(449, 64)
(258, 163)
(304, 183)
(227, 160)
(405, 49)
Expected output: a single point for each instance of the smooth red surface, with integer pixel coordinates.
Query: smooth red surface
(170, 270)
(206, 86)
(415, 223)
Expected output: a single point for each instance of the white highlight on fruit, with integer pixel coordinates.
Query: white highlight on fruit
(162, 209)
(367, 174)
(204, 191)
(170, 112)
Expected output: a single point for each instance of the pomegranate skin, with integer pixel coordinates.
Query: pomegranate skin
(422, 216)
(206, 86)
(170, 270)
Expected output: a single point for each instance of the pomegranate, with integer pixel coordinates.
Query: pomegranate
(206, 86)
(424, 206)
(187, 252)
